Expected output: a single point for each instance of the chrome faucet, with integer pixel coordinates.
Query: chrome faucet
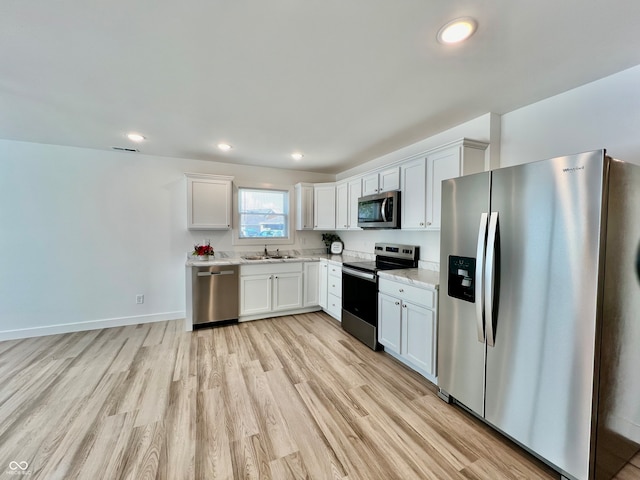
(266, 254)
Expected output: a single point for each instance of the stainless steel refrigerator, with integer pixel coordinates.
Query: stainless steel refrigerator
(539, 328)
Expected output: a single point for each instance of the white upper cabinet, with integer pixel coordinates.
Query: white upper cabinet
(324, 206)
(209, 200)
(413, 200)
(461, 158)
(347, 195)
(382, 181)
(355, 192)
(342, 206)
(304, 206)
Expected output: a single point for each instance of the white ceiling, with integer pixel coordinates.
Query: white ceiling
(343, 81)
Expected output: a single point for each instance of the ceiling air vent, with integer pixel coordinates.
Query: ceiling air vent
(123, 149)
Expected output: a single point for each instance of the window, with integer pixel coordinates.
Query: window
(263, 213)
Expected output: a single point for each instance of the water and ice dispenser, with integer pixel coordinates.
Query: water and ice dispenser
(462, 274)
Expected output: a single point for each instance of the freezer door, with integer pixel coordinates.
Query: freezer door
(461, 345)
(539, 379)
(619, 399)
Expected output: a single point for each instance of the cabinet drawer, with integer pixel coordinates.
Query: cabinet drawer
(334, 306)
(335, 270)
(410, 293)
(335, 286)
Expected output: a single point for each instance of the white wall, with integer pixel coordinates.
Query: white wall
(83, 231)
(601, 114)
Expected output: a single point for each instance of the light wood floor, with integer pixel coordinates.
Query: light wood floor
(291, 397)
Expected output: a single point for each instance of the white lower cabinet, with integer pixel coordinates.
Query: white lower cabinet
(330, 288)
(311, 292)
(269, 288)
(407, 325)
(322, 284)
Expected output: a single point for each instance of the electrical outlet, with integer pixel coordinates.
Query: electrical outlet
(139, 299)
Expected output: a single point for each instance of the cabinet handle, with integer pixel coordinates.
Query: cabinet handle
(421, 224)
(404, 306)
(401, 290)
(428, 223)
(397, 303)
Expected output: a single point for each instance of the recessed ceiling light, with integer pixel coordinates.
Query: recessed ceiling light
(296, 156)
(135, 137)
(457, 30)
(225, 147)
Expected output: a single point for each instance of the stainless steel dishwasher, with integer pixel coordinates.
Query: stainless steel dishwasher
(215, 295)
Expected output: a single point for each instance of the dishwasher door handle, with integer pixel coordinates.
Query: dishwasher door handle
(209, 274)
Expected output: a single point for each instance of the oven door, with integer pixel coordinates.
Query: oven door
(360, 294)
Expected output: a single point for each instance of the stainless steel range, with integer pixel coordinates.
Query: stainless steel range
(360, 289)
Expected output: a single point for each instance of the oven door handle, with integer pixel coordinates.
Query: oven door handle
(371, 277)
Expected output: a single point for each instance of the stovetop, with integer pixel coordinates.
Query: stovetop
(373, 267)
(389, 256)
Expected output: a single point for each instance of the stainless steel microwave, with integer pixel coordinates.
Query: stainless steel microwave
(381, 210)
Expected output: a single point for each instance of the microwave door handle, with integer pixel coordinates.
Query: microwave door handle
(383, 209)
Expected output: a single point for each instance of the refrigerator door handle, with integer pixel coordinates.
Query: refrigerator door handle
(490, 270)
(479, 291)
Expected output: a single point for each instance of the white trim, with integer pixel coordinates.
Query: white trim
(261, 316)
(89, 325)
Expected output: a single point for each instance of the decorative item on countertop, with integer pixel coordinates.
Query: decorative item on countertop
(203, 252)
(328, 239)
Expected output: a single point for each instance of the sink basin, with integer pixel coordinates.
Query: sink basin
(281, 257)
(256, 257)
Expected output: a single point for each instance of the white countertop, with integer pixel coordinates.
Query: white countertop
(337, 259)
(413, 276)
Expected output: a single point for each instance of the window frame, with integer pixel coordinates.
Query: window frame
(289, 213)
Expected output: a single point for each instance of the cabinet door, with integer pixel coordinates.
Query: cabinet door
(287, 291)
(322, 284)
(389, 322)
(414, 194)
(355, 192)
(209, 204)
(419, 337)
(324, 205)
(370, 184)
(310, 281)
(440, 166)
(389, 180)
(304, 204)
(255, 294)
(342, 206)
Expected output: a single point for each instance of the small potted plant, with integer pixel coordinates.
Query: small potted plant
(329, 238)
(203, 252)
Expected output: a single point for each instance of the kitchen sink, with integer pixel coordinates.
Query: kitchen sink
(268, 257)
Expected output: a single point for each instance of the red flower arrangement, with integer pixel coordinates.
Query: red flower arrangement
(203, 249)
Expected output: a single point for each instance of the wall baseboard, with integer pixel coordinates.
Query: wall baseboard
(90, 325)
